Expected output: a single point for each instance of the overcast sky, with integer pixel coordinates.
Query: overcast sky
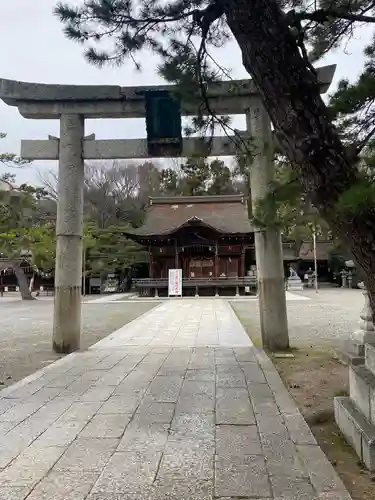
(34, 49)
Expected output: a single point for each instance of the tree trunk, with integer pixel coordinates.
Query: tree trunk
(290, 92)
(31, 284)
(22, 282)
(21, 278)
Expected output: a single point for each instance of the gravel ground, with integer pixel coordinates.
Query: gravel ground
(26, 331)
(325, 320)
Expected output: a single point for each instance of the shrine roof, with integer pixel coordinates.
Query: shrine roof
(227, 214)
(323, 248)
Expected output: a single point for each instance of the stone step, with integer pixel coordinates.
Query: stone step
(362, 390)
(370, 357)
(358, 431)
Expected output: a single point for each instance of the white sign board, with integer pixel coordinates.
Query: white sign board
(175, 282)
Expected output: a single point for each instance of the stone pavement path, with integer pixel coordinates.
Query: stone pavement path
(177, 405)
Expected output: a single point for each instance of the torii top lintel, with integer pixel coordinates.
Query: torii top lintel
(48, 101)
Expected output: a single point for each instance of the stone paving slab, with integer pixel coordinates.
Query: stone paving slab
(193, 411)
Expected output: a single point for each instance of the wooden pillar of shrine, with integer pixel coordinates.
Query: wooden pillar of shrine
(242, 262)
(150, 264)
(176, 259)
(216, 262)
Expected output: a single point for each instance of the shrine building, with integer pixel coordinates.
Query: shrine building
(209, 237)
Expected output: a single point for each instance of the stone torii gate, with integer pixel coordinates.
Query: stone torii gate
(72, 104)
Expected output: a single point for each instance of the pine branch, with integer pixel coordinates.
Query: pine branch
(11, 159)
(322, 16)
(118, 13)
(171, 29)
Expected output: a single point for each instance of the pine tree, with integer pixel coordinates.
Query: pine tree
(11, 159)
(109, 250)
(273, 36)
(24, 235)
(197, 176)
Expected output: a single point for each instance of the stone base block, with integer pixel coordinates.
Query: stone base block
(358, 431)
(348, 358)
(363, 336)
(362, 390)
(295, 287)
(357, 348)
(295, 284)
(370, 357)
(352, 353)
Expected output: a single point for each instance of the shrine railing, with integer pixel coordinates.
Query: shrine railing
(246, 281)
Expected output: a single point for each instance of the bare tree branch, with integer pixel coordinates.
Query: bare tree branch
(49, 180)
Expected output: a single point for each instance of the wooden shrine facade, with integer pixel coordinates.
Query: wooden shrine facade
(209, 237)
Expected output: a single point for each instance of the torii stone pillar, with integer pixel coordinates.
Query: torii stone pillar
(268, 244)
(71, 104)
(69, 233)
